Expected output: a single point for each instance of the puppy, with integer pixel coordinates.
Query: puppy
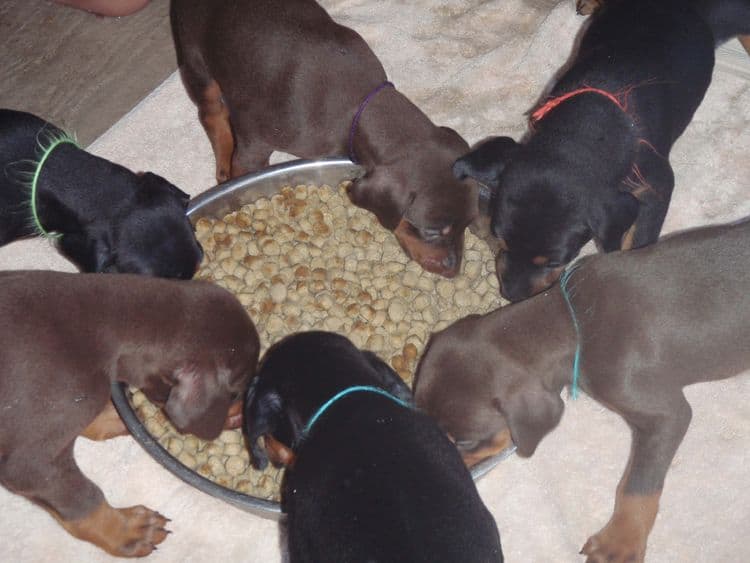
(283, 76)
(369, 478)
(65, 339)
(595, 162)
(106, 218)
(628, 321)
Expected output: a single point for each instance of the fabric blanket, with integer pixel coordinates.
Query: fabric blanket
(476, 66)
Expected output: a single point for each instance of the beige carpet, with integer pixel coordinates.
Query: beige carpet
(476, 66)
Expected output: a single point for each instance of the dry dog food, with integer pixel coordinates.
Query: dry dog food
(307, 259)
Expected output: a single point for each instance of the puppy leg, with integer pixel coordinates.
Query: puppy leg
(249, 157)
(214, 116)
(107, 424)
(58, 485)
(651, 182)
(655, 441)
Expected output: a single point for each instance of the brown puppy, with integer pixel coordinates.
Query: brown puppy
(65, 339)
(283, 76)
(648, 322)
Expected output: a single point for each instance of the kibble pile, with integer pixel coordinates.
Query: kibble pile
(307, 259)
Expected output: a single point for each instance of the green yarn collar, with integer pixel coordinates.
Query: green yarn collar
(29, 171)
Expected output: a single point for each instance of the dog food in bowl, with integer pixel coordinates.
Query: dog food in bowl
(307, 259)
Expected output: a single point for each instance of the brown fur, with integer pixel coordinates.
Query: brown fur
(652, 321)
(283, 76)
(65, 339)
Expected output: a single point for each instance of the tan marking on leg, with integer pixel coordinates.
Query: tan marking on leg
(107, 424)
(745, 41)
(628, 238)
(214, 116)
(123, 532)
(624, 537)
(488, 448)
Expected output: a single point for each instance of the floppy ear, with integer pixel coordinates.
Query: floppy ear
(383, 192)
(610, 219)
(91, 251)
(262, 415)
(486, 161)
(151, 183)
(388, 378)
(198, 402)
(531, 413)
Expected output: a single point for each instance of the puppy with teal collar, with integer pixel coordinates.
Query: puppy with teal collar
(368, 478)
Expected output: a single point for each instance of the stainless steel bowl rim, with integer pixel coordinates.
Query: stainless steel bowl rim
(216, 202)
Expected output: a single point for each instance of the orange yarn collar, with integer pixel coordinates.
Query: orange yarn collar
(619, 99)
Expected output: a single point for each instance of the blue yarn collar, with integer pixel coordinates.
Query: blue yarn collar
(348, 391)
(564, 279)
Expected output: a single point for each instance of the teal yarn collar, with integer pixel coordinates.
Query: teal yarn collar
(348, 391)
(564, 279)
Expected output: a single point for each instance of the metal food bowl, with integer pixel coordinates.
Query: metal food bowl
(216, 203)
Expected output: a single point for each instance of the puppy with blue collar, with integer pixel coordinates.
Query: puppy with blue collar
(368, 478)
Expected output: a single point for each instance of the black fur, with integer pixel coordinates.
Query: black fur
(373, 480)
(588, 169)
(111, 219)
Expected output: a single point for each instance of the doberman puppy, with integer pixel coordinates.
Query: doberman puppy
(595, 161)
(368, 478)
(490, 378)
(284, 76)
(106, 218)
(65, 339)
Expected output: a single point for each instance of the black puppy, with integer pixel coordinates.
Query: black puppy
(595, 162)
(104, 217)
(369, 478)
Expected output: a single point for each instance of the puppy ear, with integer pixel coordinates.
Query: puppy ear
(610, 219)
(382, 191)
(152, 183)
(198, 402)
(91, 252)
(388, 378)
(263, 411)
(531, 413)
(486, 161)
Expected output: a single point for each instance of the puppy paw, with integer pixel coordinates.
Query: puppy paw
(122, 532)
(587, 7)
(615, 545)
(222, 175)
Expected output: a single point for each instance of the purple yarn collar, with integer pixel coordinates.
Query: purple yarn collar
(360, 110)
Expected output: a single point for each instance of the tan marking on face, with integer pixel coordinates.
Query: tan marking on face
(430, 257)
(540, 260)
(494, 445)
(278, 453)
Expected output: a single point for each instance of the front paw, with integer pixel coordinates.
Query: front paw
(615, 544)
(587, 7)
